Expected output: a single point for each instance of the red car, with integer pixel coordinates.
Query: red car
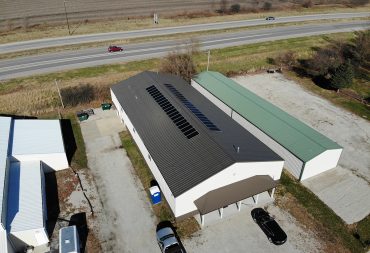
(114, 49)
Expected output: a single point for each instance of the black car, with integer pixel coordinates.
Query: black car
(270, 18)
(269, 226)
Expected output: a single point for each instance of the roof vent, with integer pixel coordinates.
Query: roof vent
(237, 148)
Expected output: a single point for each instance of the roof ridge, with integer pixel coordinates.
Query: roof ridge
(282, 111)
(195, 119)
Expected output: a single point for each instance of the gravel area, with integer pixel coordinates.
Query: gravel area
(239, 233)
(129, 222)
(346, 188)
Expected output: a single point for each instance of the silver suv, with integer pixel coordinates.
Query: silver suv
(167, 241)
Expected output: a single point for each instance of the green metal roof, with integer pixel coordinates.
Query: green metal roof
(300, 139)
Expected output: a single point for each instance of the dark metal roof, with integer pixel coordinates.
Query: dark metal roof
(183, 162)
(233, 193)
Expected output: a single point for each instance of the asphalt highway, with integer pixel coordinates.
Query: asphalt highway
(78, 39)
(25, 66)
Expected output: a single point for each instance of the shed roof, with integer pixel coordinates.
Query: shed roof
(233, 193)
(45, 138)
(183, 162)
(300, 139)
(5, 126)
(25, 204)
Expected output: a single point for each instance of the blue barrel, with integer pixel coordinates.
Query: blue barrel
(155, 194)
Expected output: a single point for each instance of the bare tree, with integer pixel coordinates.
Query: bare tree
(180, 62)
(287, 59)
(223, 6)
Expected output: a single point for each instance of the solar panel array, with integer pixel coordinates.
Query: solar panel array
(185, 127)
(209, 124)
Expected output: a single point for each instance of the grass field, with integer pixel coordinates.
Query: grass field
(117, 24)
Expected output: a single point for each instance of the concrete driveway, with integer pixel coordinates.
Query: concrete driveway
(130, 225)
(239, 233)
(344, 189)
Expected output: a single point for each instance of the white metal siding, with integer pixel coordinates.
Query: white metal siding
(323, 162)
(3, 241)
(54, 161)
(292, 163)
(234, 173)
(32, 237)
(151, 163)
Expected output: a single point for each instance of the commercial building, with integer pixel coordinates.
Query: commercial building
(306, 152)
(201, 159)
(28, 149)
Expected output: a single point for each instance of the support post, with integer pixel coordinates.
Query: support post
(65, 11)
(202, 220)
(255, 198)
(239, 204)
(272, 193)
(60, 96)
(221, 210)
(209, 55)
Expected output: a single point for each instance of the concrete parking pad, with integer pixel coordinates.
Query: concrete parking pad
(129, 218)
(239, 233)
(346, 188)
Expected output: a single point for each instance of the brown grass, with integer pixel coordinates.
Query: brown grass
(115, 25)
(178, 37)
(330, 243)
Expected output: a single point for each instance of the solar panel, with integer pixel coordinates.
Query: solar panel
(181, 123)
(193, 109)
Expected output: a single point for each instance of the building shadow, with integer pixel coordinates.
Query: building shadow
(68, 138)
(14, 190)
(153, 183)
(17, 116)
(52, 201)
(79, 220)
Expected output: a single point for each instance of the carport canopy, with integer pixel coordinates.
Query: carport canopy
(233, 193)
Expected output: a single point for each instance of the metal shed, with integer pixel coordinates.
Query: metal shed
(306, 152)
(190, 145)
(28, 149)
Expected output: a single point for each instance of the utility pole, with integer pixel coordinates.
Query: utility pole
(65, 11)
(60, 96)
(155, 18)
(209, 55)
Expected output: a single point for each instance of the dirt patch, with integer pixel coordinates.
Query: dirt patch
(69, 206)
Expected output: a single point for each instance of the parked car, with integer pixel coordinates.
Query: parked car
(167, 241)
(269, 226)
(114, 49)
(270, 18)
